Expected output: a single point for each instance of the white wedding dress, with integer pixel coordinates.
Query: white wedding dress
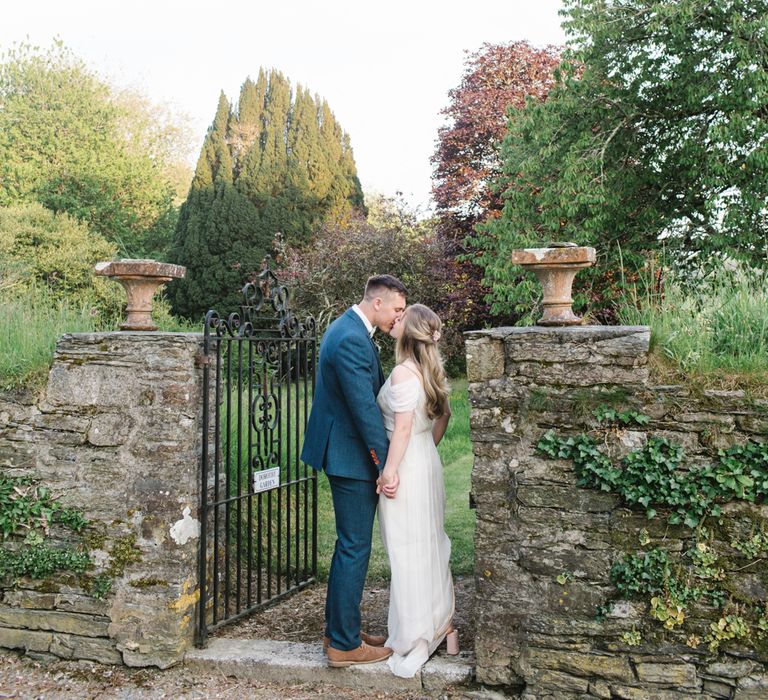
(421, 599)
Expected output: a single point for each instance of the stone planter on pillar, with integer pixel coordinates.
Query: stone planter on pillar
(141, 279)
(555, 267)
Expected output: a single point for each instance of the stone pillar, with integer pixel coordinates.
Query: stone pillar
(117, 432)
(530, 515)
(544, 546)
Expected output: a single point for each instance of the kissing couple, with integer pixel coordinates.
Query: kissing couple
(376, 441)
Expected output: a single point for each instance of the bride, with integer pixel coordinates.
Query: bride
(414, 403)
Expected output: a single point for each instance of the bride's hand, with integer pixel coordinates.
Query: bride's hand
(388, 483)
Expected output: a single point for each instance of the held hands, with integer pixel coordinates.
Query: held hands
(387, 483)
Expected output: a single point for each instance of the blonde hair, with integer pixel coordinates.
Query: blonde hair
(418, 342)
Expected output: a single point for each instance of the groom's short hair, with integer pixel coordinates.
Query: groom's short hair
(378, 283)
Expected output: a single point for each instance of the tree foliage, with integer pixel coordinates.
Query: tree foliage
(278, 162)
(497, 78)
(70, 141)
(657, 131)
(55, 254)
(329, 274)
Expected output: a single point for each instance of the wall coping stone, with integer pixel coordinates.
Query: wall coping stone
(569, 332)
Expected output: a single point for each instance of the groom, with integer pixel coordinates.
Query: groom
(345, 436)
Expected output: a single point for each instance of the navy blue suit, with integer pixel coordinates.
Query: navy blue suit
(345, 437)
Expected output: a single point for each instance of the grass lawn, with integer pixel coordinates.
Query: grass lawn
(709, 334)
(31, 321)
(456, 452)
(29, 328)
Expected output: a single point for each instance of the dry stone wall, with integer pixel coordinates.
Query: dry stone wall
(545, 546)
(116, 435)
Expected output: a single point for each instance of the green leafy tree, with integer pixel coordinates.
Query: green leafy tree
(656, 131)
(498, 78)
(55, 254)
(70, 141)
(157, 131)
(279, 163)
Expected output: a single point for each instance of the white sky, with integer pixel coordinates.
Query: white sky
(385, 68)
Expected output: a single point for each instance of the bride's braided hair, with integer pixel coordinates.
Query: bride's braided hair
(418, 342)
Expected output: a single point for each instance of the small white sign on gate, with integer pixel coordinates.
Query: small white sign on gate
(266, 479)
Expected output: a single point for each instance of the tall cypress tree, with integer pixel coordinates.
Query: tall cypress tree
(274, 164)
(343, 185)
(251, 104)
(248, 125)
(303, 141)
(215, 158)
(352, 190)
(217, 237)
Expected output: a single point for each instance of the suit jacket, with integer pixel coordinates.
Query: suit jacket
(345, 433)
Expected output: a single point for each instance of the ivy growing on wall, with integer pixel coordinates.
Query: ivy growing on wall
(28, 514)
(27, 506)
(653, 477)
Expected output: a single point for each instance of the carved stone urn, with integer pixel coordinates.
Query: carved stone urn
(555, 267)
(141, 279)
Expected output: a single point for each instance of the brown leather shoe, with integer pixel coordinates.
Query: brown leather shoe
(364, 654)
(372, 640)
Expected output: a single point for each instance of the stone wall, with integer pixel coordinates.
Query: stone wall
(545, 547)
(116, 434)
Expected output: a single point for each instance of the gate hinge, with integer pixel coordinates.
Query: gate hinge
(202, 360)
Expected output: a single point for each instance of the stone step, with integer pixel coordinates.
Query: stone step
(293, 662)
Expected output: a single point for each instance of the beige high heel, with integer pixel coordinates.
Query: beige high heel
(452, 642)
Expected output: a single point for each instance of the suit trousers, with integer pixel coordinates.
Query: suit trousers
(354, 505)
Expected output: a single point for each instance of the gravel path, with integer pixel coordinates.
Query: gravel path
(28, 679)
(299, 618)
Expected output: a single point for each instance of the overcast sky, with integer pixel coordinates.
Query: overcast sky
(385, 68)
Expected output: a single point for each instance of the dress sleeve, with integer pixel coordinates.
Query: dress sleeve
(404, 395)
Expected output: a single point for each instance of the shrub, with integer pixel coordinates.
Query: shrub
(330, 273)
(56, 254)
(48, 288)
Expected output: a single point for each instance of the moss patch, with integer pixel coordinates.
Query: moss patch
(147, 582)
(124, 552)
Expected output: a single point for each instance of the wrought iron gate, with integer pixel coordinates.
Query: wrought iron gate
(258, 511)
